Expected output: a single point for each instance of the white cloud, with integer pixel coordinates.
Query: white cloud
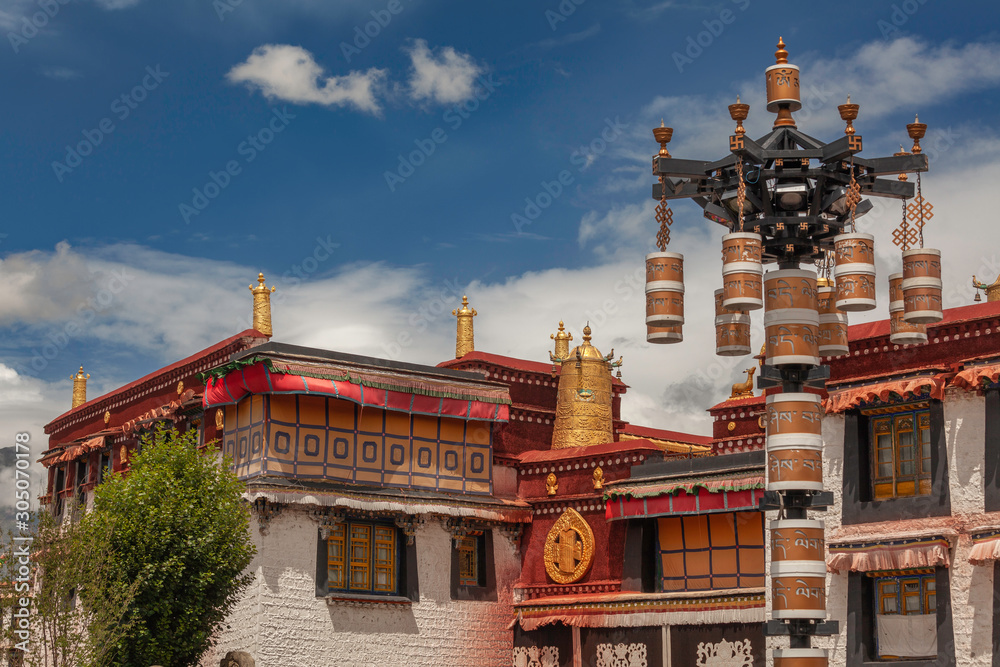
(444, 77)
(291, 74)
(116, 4)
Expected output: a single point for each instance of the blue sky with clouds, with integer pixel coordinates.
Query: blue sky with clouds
(379, 159)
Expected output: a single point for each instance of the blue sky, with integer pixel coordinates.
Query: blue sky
(230, 137)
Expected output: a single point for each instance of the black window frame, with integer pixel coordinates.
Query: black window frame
(991, 463)
(859, 505)
(486, 589)
(861, 600)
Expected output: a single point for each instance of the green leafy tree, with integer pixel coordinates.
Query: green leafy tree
(179, 532)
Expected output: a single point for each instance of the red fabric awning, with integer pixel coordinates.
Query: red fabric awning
(844, 399)
(972, 378)
(902, 554)
(259, 379)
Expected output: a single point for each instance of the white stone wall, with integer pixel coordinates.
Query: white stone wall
(971, 586)
(282, 623)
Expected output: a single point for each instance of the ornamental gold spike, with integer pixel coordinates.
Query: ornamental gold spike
(739, 113)
(79, 388)
(562, 339)
(849, 114)
(464, 336)
(782, 87)
(262, 306)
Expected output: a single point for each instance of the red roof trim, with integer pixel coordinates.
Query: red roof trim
(539, 456)
(663, 434)
(523, 365)
(978, 311)
(157, 374)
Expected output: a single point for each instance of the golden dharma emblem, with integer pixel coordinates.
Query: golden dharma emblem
(220, 419)
(180, 387)
(732, 426)
(107, 417)
(569, 548)
(598, 478)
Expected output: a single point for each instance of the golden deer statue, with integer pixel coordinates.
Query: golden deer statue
(744, 389)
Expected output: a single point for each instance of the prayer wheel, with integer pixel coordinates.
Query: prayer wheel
(732, 330)
(742, 271)
(791, 336)
(663, 335)
(800, 657)
(902, 332)
(797, 540)
(922, 303)
(832, 322)
(789, 288)
(794, 469)
(855, 272)
(798, 589)
(794, 420)
(664, 289)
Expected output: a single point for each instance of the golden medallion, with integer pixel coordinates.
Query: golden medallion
(220, 419)
(107, 417)
(180, 387)
(569, 548)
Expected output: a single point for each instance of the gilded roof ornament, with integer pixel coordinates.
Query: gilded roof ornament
(562, 339)
(569, 548)
(781, 55)
(79, 387)
(262, 306)
(992, 291)
(464, 334)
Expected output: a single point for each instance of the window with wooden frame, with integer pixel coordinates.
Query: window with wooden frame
(469, 560)
(901, 451)
(362, 558)
(711, 551)
(905, 593)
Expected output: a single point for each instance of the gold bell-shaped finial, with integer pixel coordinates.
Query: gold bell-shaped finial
(562, 339)
(262, 306)
(464, 335)
(79, 388)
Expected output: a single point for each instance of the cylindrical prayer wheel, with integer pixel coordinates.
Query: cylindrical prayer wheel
(794, 469)
(832, 322)
(800, 657)
(732, 330)
(663, 335)
(921, 263)
(742, 271)
(791, 337)
(798, 589)
(797, 540)
(790, 288)
(902, 332)
(922, 303)
(664, 289)
(794, 420)
(855, 271)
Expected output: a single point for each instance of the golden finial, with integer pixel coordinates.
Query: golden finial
(916, 130)
(262, 306)
(849, 113)
(464, 336)
(586, 334)
(902, 151)
(598, 478)
(739, 113)
(551, 484)
(79, 387)
(662, 135)
(781, 55)
(584, 397)
(562, 339)
(992, 291)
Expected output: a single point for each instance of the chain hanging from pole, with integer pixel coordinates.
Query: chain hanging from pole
(665, 217)
(741, 191)
(920, 211)
(853, 195)
(903, 236)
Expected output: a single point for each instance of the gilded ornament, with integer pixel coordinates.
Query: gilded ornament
(992, 291)
(598, 478)
(551, 484)
(569, 548)
(79, 387)
(744, 389)
(464, 335)
(562, 339)
(731, 427)
(107, 417)
(761, 424)
(220, 419)
(583, 398)
(180, 387)
(123, 454)
(262, 306)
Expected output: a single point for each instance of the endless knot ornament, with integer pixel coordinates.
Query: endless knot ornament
(904, 236)
(569, 548)
(622, 655)
(536, 656)
(725, 654)
(665, 217)
(920, 211)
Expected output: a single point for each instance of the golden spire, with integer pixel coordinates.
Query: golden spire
(464, 338)
(262, 306)
(781, 55)
(583, 399)
(562, 339)
(79, 388)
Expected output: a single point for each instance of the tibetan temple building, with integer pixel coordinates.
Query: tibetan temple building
(494, 511)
